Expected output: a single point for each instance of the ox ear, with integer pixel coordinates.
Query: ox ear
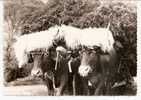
(118, 45)
(30, 58)
(97, 49)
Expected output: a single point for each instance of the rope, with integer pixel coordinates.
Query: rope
(56, 65)
(69, 65)
(57, 61)
(54, 82)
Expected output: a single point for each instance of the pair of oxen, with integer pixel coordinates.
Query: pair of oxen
(85, 70)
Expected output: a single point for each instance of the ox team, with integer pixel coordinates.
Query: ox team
(66, 61)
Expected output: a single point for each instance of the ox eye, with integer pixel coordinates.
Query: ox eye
(80, 52)
(32, 55)
(46, 54)
(90, 52)
(93, 51)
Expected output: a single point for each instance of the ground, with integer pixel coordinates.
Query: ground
(29, 90)
(30, 87)
(25, 87)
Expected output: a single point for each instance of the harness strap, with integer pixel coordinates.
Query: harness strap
(69, 65)
(54, 82)
(57, 61)
(89, 83)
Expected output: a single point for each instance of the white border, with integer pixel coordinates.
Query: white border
(77, 97)
(139, 48)
(1, 43)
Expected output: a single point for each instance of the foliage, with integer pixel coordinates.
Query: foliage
(83, 14)
(14, 13)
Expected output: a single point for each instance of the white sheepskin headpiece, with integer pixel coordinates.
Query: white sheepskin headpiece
(101, 37)
(30, 42)
(61, 49)
(73, 37)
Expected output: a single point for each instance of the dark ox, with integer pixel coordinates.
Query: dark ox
(97, 69)
(44, 67)
(75, 80)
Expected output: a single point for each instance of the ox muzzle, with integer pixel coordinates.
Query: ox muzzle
(84, 70)
(89, 59)
(36, 72)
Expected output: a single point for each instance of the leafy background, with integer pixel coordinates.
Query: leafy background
(29, 16)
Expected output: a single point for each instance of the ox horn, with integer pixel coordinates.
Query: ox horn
(57, 61)
(69, 65)
(59, 50)
(109, 24)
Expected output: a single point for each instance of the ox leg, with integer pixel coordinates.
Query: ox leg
(85, 87)
(74, 84)
(104, 71)
(63, 82)
(49, 85)
(70, 84)
(99, 88)
(104, 81)
(78, 85)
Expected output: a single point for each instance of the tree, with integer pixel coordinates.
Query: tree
(14, 13)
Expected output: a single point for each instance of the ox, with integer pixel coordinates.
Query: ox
(55, 78)
(75, 79)
(97, 68)
(103, 59)
(58, 69)
(36, 47)
(101, 37)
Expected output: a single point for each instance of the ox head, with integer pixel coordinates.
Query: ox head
(42, 61)
(89, 60)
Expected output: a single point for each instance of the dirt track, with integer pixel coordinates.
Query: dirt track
(28, 87)
(29, 90)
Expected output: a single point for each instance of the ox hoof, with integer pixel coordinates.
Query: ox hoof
(49, 75)
(57, 92)
(51, 93)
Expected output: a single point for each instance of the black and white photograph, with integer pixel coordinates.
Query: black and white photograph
(69, 48)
